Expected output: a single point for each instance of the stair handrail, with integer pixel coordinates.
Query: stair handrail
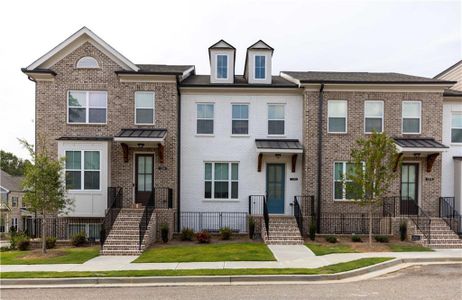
(146, 217)
(421, 220)
(450, 215)
(298, 215)
(266, 215)
(115, 198)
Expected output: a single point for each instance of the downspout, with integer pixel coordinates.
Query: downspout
(178, 154)
(320, 122)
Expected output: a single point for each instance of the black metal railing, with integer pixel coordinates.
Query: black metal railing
(145, 219)
(410, 208)
(161, 197)
(266, 216)
(390, 206)
(256, 204)
(307, 205)
(213, 221)
(450, 215)
(115, 198)
(298, 215)
(357, 223)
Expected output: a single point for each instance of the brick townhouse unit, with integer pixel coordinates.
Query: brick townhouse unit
(147, 145)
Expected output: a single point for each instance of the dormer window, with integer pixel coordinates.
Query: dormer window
(87, 62)
(260, 69)
(222, 66)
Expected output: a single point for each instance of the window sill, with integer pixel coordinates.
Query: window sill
(204, 135)
(240, 135)
(221, 200)
(456, 144)
(345, 201)
(87, 124)
(83, 191)
(276, 135)
(340, 133)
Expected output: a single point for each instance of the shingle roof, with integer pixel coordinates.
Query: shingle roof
(418, 143)
(159, 69)
(359, 77)
(448, 69)
(452, 93)
(281, 144)
(142, 133)
(239, 81)
(9, 182)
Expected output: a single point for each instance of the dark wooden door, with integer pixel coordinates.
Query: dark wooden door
(409, 188)
(144, 178)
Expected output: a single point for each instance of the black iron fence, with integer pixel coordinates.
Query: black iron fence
(307, 205)
(450, 215)
(298, 214)
(256, 204)
(213, 221)
(115, 198)
(162, 197)
(357, 223)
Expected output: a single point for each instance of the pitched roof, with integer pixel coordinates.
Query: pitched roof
(9, 182)
(448, 69)
(239, 81)
(260, 45)
(142, 133)
(418, 143)
(222, 44)
(160, 69)
(360, 77)
(281, 144)
(452, 93)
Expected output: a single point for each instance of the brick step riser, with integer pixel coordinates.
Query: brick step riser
(120, 253)
(121, 248)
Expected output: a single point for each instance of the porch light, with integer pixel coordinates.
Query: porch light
(140, 145)
(278, 155)
(416, 154)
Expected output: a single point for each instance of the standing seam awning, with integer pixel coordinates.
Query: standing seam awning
(419, 145)
(278, 146)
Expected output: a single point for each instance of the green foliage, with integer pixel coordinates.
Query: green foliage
(13, 239)
(226, 233)
(356, 239)
(164, 232)
(79, 239)
(187, 234)
(50, 242)
(22, 241)
(324, 249)
(403, 230)
(203, 237)
(331, 239)
(312, 230)
(381, 238)
(11, 164)
(251, 227)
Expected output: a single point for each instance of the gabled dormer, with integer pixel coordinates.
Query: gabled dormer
(258, 59)
(222, 57)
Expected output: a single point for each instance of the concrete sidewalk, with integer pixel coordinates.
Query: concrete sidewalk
(297, 256)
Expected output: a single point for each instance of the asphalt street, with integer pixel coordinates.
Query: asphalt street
(417, 282)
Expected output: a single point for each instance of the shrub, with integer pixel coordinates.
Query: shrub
(187, 234)
(225, 233)
(22, 241)
(50, 242)
(403, 230)
(331, 239)
(164, 232)
(312, 230)
(203, 237)
(381, 238)
(4, 248)
(251, 227)
(356, 239)
(79, 239)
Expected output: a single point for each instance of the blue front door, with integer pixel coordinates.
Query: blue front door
(275, 184)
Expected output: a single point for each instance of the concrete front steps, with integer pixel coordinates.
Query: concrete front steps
(283, 230)
(441, 236)
(124, 237)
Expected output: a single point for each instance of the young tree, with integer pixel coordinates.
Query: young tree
(44, 186)
(372, 171)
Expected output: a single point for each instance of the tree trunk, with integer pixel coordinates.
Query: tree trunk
(44, 224)
(370, 225)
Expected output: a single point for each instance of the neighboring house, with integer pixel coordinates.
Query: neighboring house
(452, 135)
(13, 212)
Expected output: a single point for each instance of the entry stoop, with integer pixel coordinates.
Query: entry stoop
(441, 236)
(283, 230)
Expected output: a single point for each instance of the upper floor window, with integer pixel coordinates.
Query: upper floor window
(144, 107)
(276, 119)
(87, 62)
(205, 112)
(222, 66)
(240, 119)
(86, 170)
(14, 201)
(337, 111)
(373, 116)
(260, 67)
(87, 107)
(456, 127)
(411, 116)
(221, 180)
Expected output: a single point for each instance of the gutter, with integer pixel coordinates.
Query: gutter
(319, 170)
(178, 155)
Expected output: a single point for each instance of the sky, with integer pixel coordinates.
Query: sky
(413, 37)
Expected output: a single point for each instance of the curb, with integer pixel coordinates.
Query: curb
(223, 280)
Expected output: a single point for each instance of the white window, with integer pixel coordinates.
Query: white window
(276, 119)
(411, 116)
(87, 107)
(341, 180)
(260, 67)
(87, 62)
(14, 222)
(144, 107)
(240, 119)
(221, 180)
(222, 66)
(14, 201)
(337, 111)
(373, 116)
(456, 127)
(205, 112)
(86, 170)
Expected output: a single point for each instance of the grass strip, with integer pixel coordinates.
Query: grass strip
(331, 269)
(63, 256)
(408, 248)
(322, 249)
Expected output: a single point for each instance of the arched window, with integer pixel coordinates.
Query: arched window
(87, 62)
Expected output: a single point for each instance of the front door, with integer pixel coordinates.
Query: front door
(144, 179)
(275, 188)
(409, 188)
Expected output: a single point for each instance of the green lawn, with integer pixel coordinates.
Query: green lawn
(323, 249)
(332, 269)
(207, 253)
(407, 248)
(63, 256)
